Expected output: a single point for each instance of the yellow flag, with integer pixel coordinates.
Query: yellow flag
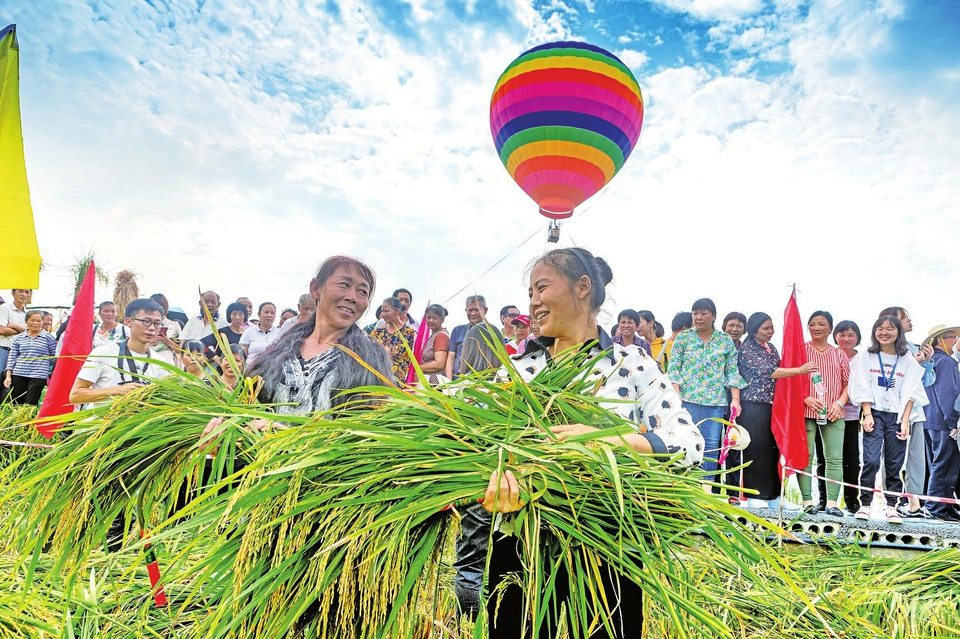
(19, 253)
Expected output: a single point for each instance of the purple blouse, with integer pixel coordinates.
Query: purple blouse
(756, 365)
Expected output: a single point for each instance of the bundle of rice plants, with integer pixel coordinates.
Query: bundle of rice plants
(125, 290)
(334, 526)
(339, 520)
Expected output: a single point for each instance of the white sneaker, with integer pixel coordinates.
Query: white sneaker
(757, 503)
(863, 514)
(893, 517)
(786, 503)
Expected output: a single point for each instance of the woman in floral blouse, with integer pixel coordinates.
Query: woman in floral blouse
(759, 364)
(393, 335)
(703, 366)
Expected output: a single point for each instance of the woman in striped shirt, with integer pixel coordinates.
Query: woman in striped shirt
(834, 368)
(28, 366)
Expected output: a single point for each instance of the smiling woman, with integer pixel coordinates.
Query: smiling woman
(307, 369)
(567, 289)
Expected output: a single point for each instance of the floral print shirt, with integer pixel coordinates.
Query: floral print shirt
(628, 373)
(704, 370)
(756, 366)
(395, 346)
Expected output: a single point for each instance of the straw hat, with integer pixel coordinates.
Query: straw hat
(939, 330)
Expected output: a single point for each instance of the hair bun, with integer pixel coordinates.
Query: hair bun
(605, 272)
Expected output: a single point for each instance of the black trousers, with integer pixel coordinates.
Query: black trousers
(882, 443)
(943, 460)
(821, 472)
(26, 390)
(763, 453)
(507, 618)
(851, 464)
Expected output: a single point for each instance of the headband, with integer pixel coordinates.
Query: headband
(583, 260)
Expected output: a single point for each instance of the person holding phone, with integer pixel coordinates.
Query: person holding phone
(168, 339)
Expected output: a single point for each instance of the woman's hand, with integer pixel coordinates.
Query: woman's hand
(503, 493)
(261, 425)
(813, 404)
(735, 409)
(807, 368)
(7, 382)
(904, 431)
(563, 431)
(867, 423)
(924, 353)
(207, 438)
(835, 412)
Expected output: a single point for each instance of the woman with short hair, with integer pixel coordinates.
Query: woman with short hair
(308, 370)
(287, 314)
(237, 317)
(734, 324)
(434, 356)
(30, 361)
(109, 329)
(396, 336)
(193, 360)
(257, 339)
(846, 335)
(628, 323)
(703, 365)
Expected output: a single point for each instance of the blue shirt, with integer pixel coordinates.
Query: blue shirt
(457, 335)
(941, 413)
(27, 355)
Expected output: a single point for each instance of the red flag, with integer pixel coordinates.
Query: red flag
(77, 343)
(423, 334)
(787, 423)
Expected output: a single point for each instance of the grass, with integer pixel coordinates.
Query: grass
(338, 518)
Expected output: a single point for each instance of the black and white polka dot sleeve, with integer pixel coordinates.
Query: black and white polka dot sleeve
(656, 407)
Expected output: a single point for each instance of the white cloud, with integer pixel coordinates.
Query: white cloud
(635, 60)
(714, 9)
(237, 149)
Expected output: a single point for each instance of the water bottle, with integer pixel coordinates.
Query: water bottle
(821, 389)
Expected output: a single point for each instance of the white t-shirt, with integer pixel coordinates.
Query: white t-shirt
(101, 368)
(889, 390)
(9, 313)
(257, 341)
(196, 329)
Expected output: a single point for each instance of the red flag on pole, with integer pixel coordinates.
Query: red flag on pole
(787, 423)
(77, 343)
(423, 334)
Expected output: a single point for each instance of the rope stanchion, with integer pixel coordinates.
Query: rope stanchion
(945, 500)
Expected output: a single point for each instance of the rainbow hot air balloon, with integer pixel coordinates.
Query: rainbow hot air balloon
(565, 116)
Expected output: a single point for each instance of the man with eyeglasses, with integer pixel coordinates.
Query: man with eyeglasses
(940, 429)
(507, 315)
(117, 368)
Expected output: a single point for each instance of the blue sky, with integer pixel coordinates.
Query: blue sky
(234, 145)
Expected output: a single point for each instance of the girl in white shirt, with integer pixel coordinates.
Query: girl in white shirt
(886, 382)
